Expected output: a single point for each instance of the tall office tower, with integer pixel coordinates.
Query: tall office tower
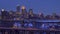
(48, 17)
(5, 14)
(2, 16)
(11, 14)
(31, 12)
(41, 15)
(55, 16)
(23, 10)
(17, 13)
(18, 8)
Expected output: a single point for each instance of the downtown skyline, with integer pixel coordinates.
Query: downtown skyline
(43, 6)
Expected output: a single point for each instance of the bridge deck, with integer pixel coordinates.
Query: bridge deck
(4, 30)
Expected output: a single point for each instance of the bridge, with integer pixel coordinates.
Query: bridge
(37, 29)
(4, 30)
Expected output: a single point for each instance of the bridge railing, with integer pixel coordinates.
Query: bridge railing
(4, 30)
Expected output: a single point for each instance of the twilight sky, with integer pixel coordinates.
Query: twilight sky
(44, 6)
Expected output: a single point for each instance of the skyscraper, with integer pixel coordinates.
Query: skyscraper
(41, 15)
(18, 8)
(17, 13)
(5, 14)
(31, 12)
(23, 10)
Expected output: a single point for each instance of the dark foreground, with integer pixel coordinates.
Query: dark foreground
(4, 30)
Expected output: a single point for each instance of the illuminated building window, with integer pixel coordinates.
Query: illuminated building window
(16, 25)
(25, 25)
(22, 18)
(18, 13)
(44, 26)
(16, 18)
(10, 13)
(30, 25)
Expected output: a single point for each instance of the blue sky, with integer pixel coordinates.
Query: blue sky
(44, 6)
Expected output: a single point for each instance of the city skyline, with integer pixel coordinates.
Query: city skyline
(44, 6)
